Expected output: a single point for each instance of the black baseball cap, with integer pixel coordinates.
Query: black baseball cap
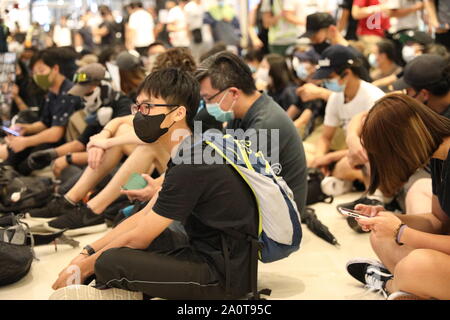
(317, 21)
(334, 59)
(416, 36)
(423, 71)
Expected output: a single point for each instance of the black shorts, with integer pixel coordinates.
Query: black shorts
(168, 269)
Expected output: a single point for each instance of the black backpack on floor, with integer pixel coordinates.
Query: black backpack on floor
(315, 193)
(19, 193)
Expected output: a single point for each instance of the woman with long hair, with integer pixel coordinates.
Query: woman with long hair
(401, 135)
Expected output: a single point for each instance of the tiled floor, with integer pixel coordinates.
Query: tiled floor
(316, 271)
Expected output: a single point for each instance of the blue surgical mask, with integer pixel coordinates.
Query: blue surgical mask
(220, 115)
(334, 85)
(301, 71)
(373, 60)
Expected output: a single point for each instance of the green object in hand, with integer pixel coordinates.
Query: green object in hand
(135, 182)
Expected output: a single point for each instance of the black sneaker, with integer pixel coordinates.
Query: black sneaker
(351, 205)
(371, 273)
(81, 220)
(55, 208)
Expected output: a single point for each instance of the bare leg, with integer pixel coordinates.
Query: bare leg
(419, 197)
(140, 161)
(424, 273)
(389, 252)
(3, 152)
(344, 171)
(91, 178)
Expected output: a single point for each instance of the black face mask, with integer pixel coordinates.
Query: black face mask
(320, 47)
(148, 128)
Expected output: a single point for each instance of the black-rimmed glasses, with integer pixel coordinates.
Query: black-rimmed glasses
(146, 107)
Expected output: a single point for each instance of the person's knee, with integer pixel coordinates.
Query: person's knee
(106, 263)
(413, 267)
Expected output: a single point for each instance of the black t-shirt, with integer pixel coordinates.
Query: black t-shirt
(286, 97)
(220, 200)
(121, 107)
(109, 38)
(352, 23)
(440, 177)
(286, 152)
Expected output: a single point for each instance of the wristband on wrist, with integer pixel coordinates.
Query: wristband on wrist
(398, 234)
(90, 251)
(69, 158)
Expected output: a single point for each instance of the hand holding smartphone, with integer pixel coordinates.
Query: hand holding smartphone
(10, 131)
(135, 182)
(352, 213)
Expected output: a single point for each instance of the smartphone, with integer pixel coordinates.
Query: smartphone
(135, 182)
(352, 213)
(10, 131)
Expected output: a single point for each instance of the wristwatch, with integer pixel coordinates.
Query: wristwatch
(89, 250)
(69, 158)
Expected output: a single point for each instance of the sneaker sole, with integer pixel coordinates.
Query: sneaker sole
(365, 261)
(80, 231)
(403, 296)
(81, 292)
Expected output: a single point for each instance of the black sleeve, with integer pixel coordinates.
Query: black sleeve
(346, 4)
(177, 197)
(122, 107)
(88, 133)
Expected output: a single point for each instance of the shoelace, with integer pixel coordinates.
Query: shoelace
(373, 284)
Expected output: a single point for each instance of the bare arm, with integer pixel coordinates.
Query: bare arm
(74, 146)
(430, 8)
(403, 12)
(291, 17)
(343, 21)
(50, 135)
(269, 20)
(323, 145)
(304, 118)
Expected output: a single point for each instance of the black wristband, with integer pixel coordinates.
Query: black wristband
(69, 158)
(89, 250)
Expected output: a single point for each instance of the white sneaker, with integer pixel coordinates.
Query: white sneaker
(333, 186)
(400, 295)
(82, 292)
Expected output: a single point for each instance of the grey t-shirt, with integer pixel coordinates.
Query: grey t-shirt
(443, 10)
(283, 147)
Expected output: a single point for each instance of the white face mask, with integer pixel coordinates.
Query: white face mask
(408, 53)
(93, 101)
(262, 74)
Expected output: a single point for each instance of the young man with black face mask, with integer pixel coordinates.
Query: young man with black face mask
(55, 113)
(143, 254)
(101, 104)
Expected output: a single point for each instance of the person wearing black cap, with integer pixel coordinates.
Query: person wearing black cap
(101, 104)
(340, 71)
(414, 42)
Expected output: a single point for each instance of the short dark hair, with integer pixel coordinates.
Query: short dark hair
(136, 4)
(52, 57)
(254, 54)
(388, 48)
(175, 86)
(226, 70)
(442, 86)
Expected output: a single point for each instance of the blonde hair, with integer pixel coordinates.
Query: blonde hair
(400, 135)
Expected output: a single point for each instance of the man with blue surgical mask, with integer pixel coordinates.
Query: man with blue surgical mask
(228, 89)
(341, 73)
